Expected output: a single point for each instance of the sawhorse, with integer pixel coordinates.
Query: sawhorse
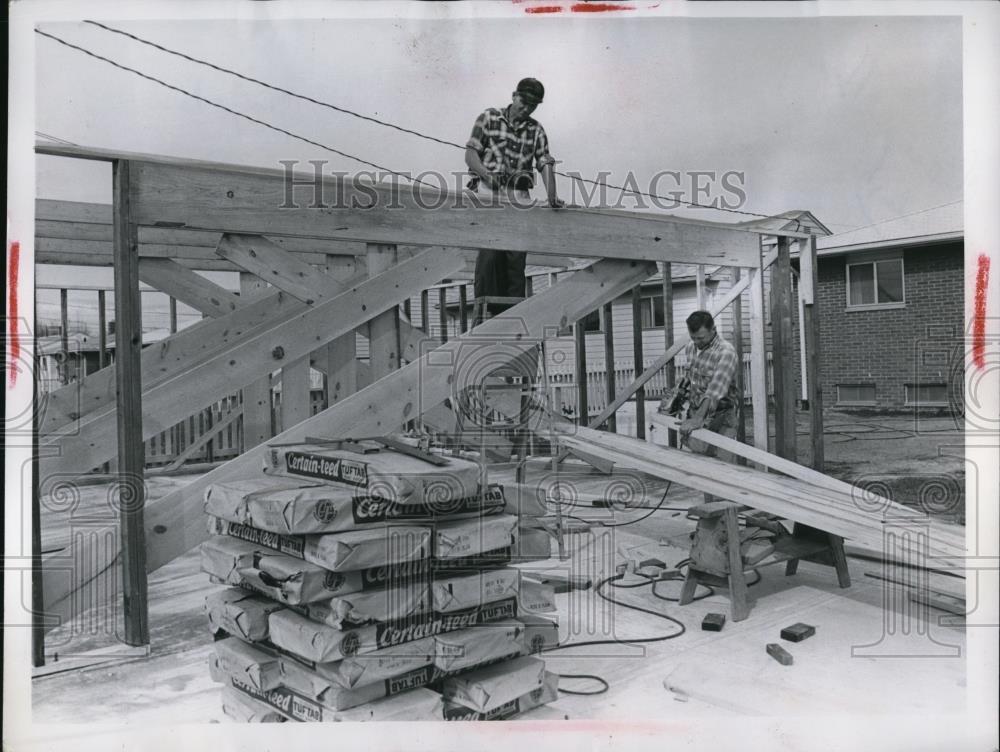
(720, 557)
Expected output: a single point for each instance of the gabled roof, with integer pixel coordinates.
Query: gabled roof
(935, 225)
(796, 220)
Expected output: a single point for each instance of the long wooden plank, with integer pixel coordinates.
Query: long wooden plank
(383, 330)
(758, 359)
(255, 355)
(783, 353)
(176, 523)
(257, 255)
(340, 356)
(128, 434)
(189, 288)
(213, 198)
(811, 331)
(790, 498)
(256, 394)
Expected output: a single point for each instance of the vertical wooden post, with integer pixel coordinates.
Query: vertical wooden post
(64, 331)
(425, 312)
(758, 358)
(668, 334)
(37, 585)
(638, 360)
(700, 286)
(102, 325)
(383, 340)
(609, 364)
(804, 381)
(582, 406)
(463, 302)
(783, 352)
(341, 353)
(808, 273)
(256, 396)
(741, 429)
(295, 392)
(173, 314)
(443, 313)
(131, 450)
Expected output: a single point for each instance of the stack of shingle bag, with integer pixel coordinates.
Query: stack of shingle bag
(371, 585)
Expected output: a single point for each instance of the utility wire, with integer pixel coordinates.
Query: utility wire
(394, 126)
(900, 216)
(231, 111)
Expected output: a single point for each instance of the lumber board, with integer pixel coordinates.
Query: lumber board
(825, 508)
(236, 200)
(816, 479)
(252, 356)
(340, 355)
(295, 397)
(175, 522)
(383, 330)
(758, 359)
(179, 282)
(125, 441)
(256, 394)
(257, 255)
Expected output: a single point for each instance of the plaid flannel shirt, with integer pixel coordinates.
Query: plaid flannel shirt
(712, 372)
(507, 149)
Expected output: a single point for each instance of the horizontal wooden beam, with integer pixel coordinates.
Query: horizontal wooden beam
(258, 353)
(68, 232)
(231, 200)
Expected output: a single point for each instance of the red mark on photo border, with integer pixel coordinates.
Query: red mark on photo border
(599, 7)
(979, 312)
(13, 264)
(584, 7)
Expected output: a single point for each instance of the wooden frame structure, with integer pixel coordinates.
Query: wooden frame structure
(320, 259)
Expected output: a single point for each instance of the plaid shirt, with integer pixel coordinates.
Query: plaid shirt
(712, 372)
(508, 149)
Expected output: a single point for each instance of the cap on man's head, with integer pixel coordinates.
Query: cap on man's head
(531, 90)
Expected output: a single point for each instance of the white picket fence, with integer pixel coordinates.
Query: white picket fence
(565, 396)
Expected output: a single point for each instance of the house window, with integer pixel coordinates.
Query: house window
(651, 312)
(855, 394)
(875, 283)
(926, 395)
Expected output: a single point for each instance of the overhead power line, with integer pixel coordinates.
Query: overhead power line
(402, 129)
(231, 111)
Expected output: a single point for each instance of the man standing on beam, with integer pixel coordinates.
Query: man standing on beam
(711, 383)
(504, 147)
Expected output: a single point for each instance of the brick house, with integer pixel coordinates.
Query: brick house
(891, 313)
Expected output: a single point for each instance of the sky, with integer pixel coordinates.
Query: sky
(855, 119)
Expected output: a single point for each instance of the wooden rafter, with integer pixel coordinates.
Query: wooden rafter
(260, 351)
(189, 288)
